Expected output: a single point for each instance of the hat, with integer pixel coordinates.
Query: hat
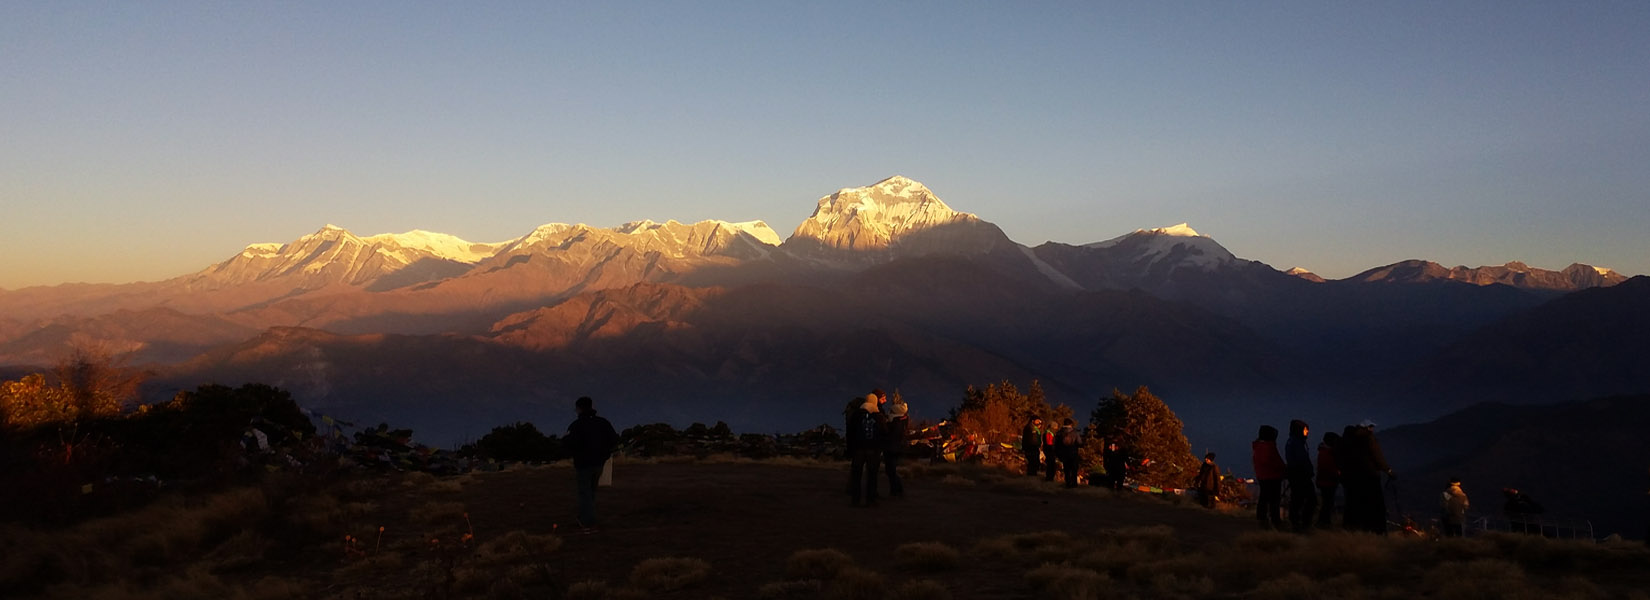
(582, 402)
(1367, 423)
(897, 409)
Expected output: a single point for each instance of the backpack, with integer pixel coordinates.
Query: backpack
(1069, 438)
(868, 430)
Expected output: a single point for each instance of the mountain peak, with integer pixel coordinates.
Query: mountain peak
(1181, 230)
(877, 216)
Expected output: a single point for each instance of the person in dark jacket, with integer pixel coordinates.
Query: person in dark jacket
(1521, 511)
(1116, 461)
(1303, 496)
(1329, 478)
(898, 423)
(1362, 463)
(1031, 444)
(591, 440)
(1068, 443)
(866, 439)
(1207, 482)
(1269, 473)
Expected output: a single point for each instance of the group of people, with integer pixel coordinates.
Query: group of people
(1352, 460)
(1043, 447)
(876, 430)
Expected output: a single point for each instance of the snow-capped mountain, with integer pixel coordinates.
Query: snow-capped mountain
(333, 255)
(1516, 274)
(894, 217)
(1303, 273)
(750, 239)
(1176, 246)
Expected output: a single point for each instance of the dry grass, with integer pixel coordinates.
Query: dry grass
(1486, 578)
(854, 583)
(805, 588)
(437, 513)
(928, 556)
(667, 574)
(1029, 548)
(1066, 582)
(957, 480)
(517, 547)
(417, 480)
(922, 589)
(822, 564)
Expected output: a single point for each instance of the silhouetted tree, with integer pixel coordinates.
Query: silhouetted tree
(518, 441)
(1144, 425)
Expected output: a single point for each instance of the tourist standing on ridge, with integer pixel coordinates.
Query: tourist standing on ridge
(1067, 444)
(1207, 482)
(1049, 455)
(865, 442)
(898, 423)
(1521, 511)
(591, 440)
(1362, 463)
(1116, 461)
(1452, 504)
(1269, 473)
(1329, 478)
(1031, 444)
(1303, 497)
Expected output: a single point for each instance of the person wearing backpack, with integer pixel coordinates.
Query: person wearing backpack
(1031, 444)
(1067, 445)
(865, 442)
(898, 423)
(1207, 482)
(591, 441)
(1452, 505)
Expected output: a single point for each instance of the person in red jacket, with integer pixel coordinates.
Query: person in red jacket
(1329, 478)
(1269, 472)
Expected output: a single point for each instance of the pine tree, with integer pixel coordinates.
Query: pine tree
(1143, 425)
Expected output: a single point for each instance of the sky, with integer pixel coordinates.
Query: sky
(142, 141)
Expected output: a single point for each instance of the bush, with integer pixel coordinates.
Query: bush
(854, 583)
(823, 564)
(928, 556)
(666, 574)
(516, 442)
(922, 589)
(1062, 581)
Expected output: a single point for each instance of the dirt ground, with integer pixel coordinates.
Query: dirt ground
(747, 519)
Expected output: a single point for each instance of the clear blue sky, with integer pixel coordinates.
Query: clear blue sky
(140, 141)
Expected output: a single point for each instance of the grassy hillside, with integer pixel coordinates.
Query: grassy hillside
(744, 529)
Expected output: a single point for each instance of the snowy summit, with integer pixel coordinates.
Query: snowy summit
(876, 216)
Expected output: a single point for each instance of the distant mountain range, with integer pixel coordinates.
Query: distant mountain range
(883, 285)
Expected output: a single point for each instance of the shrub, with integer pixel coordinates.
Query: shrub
(922, 589)
(666, 574)
(928, 556)
(823, 564)
(587, 590)
(790, 589)
(854, 583)
(1482, 578)
(1062, 581)
(517, 546)
(431, 513)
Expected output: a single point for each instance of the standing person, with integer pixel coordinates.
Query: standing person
(1303, 496)
(1452, 517)
(1050, 456)
(1116, 462)
(895, 430)
(1362, 463)
(1521, 511)
(1329, 478)
(1269, 473)
(1068, 444)
(865, 443)
(1207, 482)
(1031, 444)
(591, 440)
